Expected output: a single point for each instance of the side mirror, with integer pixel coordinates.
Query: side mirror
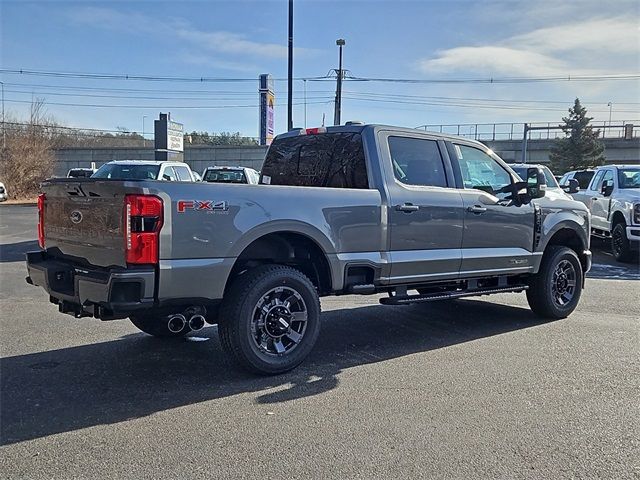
(607, 188)
(572, 187)
(536, 183)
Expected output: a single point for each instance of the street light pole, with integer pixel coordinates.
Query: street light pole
(336, 117)
(290, 73)
(144, 140)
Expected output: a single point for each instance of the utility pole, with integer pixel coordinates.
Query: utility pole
(4, 125)
(305, 102)
(144, 140)
(610, 105)
(290, 76)
(336, 117)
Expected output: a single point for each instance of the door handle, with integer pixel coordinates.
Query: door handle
(407, 207)
(477, 209)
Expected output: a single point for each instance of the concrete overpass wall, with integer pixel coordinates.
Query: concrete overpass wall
(617, 150)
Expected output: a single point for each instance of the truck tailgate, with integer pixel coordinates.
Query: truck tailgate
(85, 219)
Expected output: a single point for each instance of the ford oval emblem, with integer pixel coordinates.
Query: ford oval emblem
(76, 216)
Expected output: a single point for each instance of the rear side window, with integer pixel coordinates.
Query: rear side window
(334, 160)
(417, 161)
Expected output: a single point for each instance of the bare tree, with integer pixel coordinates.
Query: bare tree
(28, 157)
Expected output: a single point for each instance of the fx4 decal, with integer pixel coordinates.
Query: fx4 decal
(202, 206)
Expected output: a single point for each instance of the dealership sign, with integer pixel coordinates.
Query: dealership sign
(267, 103)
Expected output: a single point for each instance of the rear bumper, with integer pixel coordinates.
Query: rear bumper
(87, 291)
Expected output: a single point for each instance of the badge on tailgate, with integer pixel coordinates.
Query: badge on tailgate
(202, 205)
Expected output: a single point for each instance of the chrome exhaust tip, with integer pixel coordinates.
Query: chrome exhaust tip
(196, 322)
(176, 323)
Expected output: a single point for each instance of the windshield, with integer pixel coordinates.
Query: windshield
(550, 180)
(116, 171)
(225, 176)
(629, 177)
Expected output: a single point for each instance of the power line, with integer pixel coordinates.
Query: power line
(178, 107)
(568, 78)
(154, 78)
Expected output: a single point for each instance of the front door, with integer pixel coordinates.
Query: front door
(424, 210)
(600, 203)
(498, 235)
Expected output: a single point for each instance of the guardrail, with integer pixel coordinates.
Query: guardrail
(536, 130)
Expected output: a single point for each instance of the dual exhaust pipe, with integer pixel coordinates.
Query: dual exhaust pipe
(177, 322)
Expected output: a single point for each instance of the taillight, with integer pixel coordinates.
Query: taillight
(41, 199)
(142, 224)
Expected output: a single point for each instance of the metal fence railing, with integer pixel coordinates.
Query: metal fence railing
(537, 130)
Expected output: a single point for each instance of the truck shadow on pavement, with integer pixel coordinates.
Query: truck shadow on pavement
(64, 390)
(15, 252)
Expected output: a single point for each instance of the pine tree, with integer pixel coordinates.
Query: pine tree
(580, 148)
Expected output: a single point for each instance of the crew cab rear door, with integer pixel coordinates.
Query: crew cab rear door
(498, 235)
(424, 209)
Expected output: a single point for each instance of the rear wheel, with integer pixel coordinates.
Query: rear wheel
(620, 243)
(270, 319)
(554, 292)
(157, 326)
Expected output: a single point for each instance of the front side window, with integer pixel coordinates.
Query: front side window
(608, 176)
(417, 161)
(596, 180)
(169, 175)
(334, 160)
(183, 173)
(481, 171)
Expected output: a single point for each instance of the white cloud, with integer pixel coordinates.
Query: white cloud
(235, 46)
(593, 46)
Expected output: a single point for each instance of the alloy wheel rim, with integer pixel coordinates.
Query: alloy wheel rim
(563, 283)
(279, 321)
(617, 241)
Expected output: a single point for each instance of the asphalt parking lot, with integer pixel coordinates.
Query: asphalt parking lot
(476, 388)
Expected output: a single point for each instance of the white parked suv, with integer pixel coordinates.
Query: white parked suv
(145, 170)
(613, 197)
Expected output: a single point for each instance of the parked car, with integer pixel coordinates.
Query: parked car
(357, 209)
(81, 172)
(3, 192)
(553, 189)
(145, 170)
(613, 197)
(230, 175)
(582, 176)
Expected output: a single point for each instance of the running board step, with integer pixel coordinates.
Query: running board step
(430, 297)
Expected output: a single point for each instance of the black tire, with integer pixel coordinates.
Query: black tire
(620, 246)
(245, 319)
(156, 325)
(544, 293)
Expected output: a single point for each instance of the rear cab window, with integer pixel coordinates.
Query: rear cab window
(334, 160)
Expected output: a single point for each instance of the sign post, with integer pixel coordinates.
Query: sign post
(267, 103)
(169, 139)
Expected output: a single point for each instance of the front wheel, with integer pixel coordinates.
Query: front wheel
(554, 292)
(270, 319)
(620, 243)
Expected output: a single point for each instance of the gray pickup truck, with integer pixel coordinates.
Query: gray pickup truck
(355, 209)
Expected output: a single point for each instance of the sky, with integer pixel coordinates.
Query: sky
(235, 41)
